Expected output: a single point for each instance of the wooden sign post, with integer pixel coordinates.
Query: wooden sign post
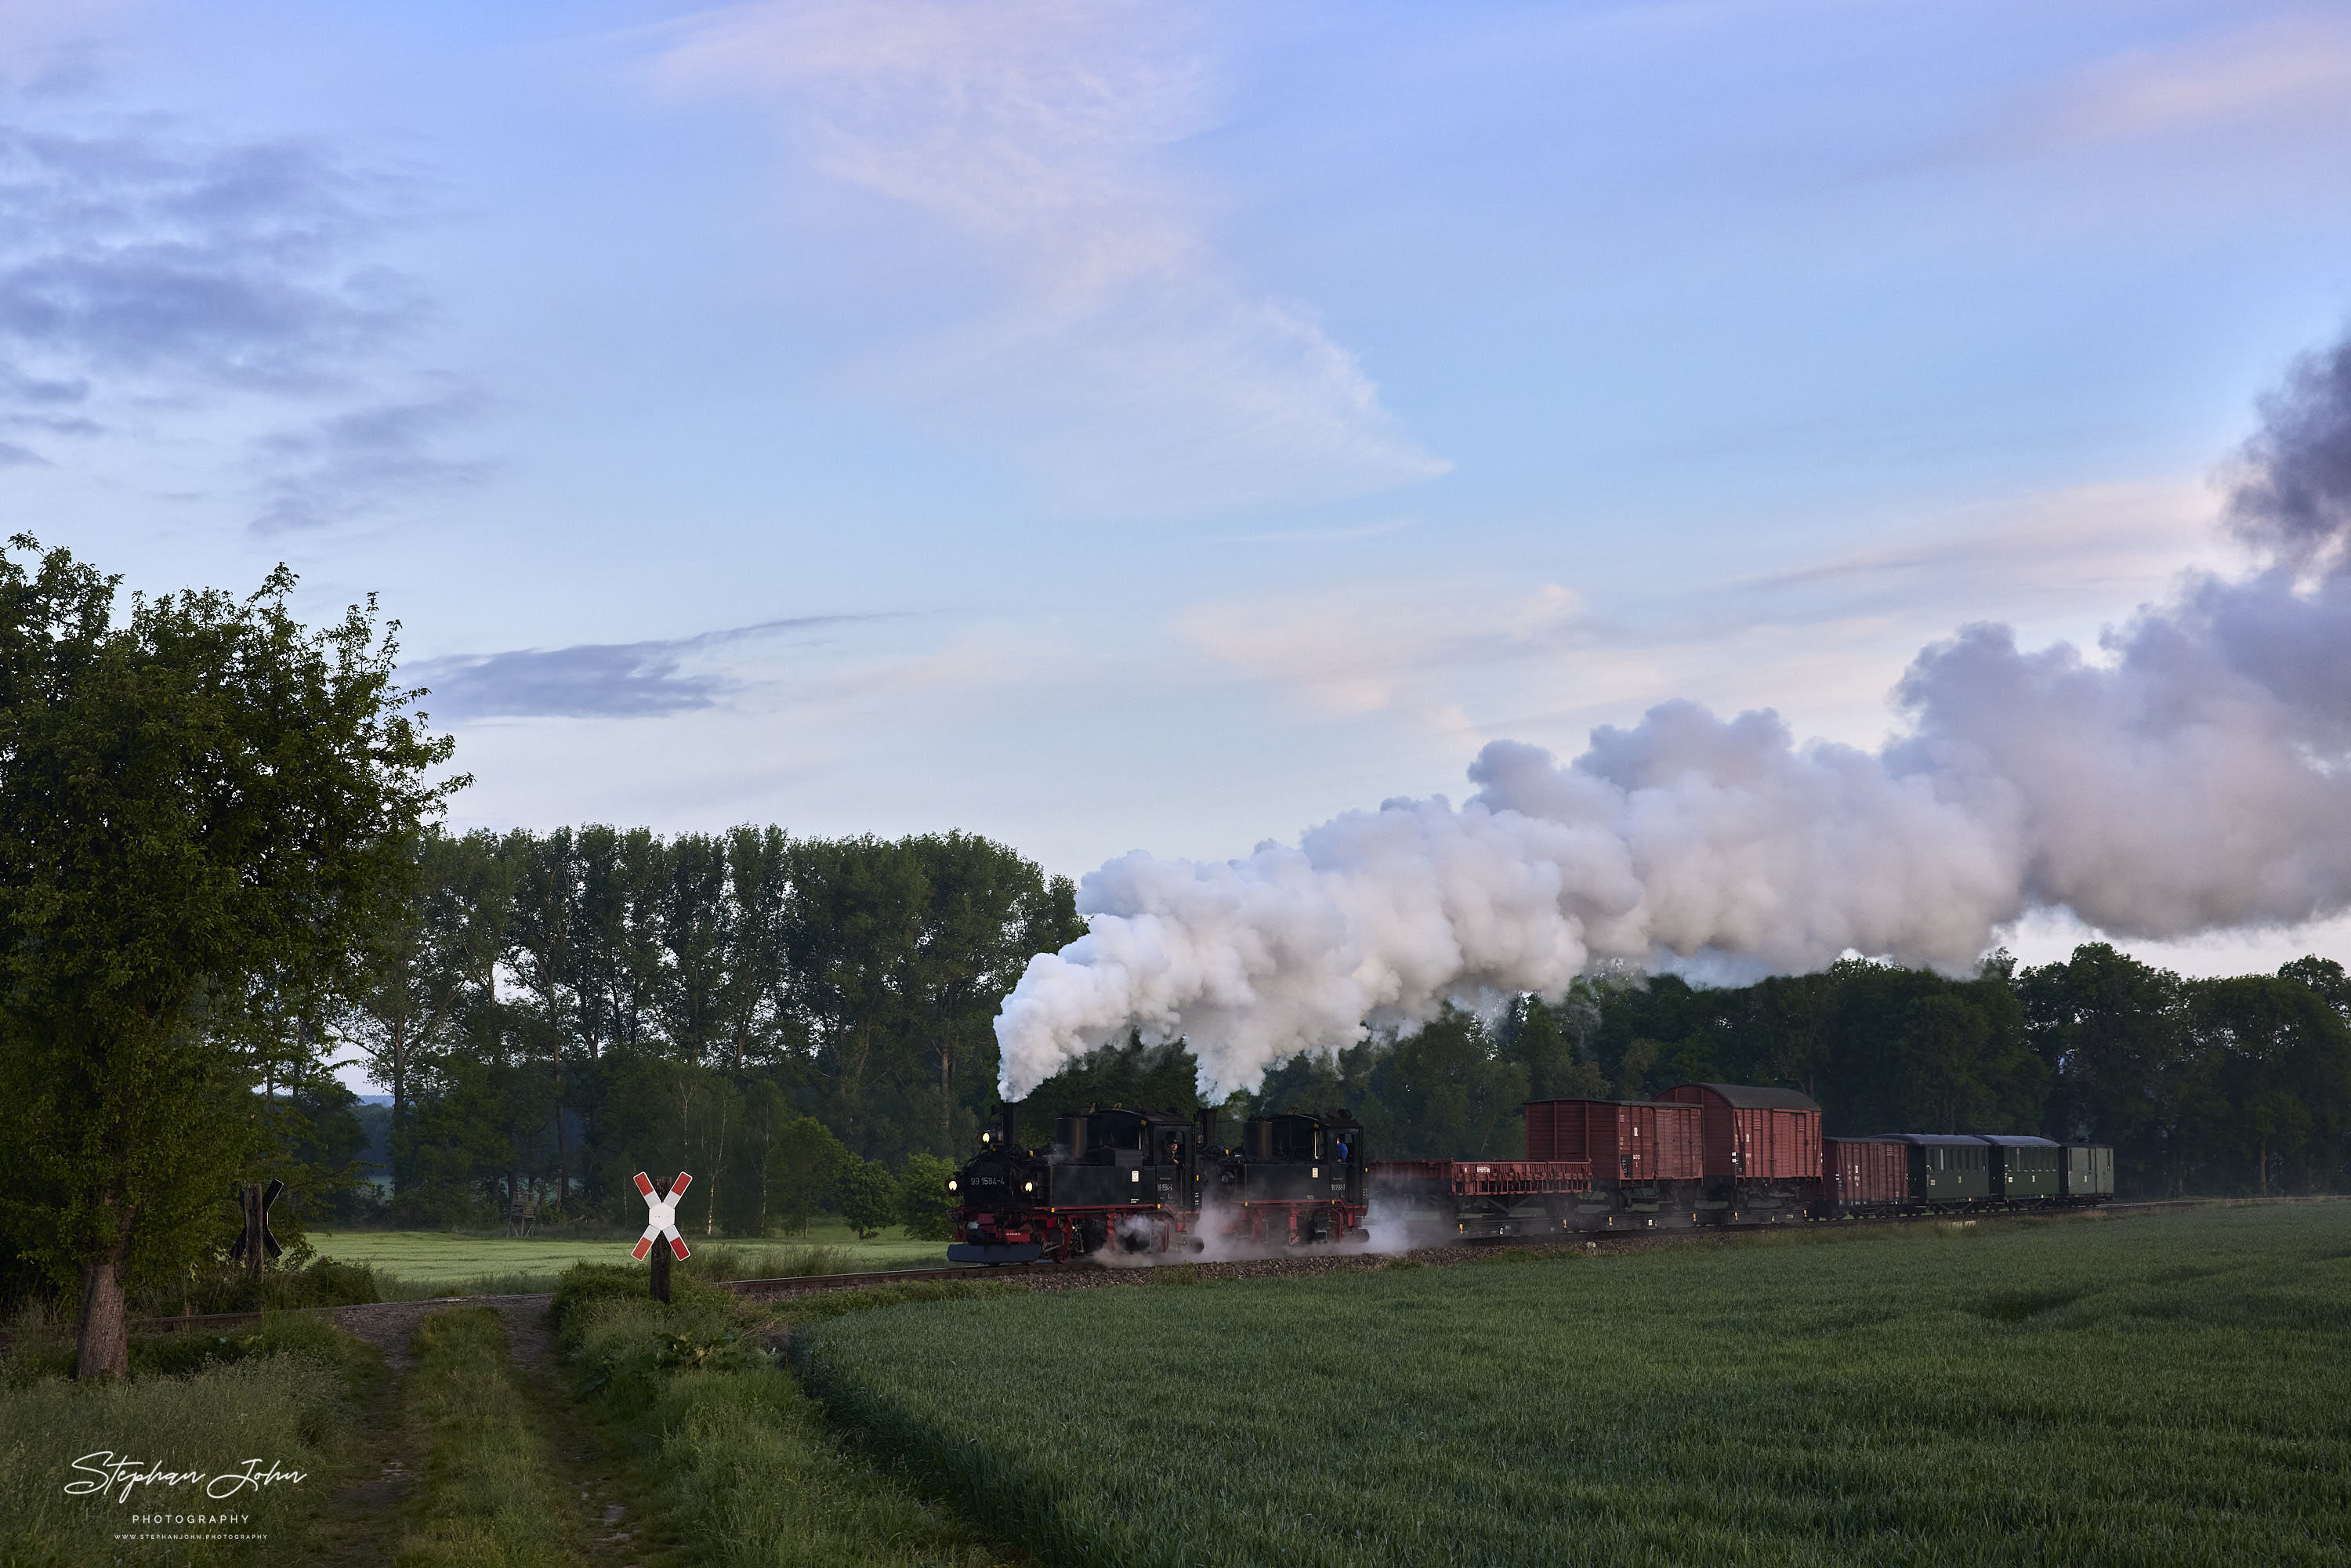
(661, 1225)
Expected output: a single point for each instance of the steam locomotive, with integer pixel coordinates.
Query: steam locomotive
(1700, 1154)
(1150, 1181)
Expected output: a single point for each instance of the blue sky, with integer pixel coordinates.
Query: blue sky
(1108, 426)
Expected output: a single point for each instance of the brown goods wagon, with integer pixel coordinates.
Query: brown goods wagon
(1866, 1171)
(1760, 1135)
(1638, 1142)
(1488, 1178)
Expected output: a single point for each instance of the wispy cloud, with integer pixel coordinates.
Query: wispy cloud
(346, 465)
(603, 680)
(1364, 650)
(135, 253)
(150, 273)
(2293, 67)
(1130, 364)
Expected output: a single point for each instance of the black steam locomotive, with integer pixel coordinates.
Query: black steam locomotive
(1150, 1181)
(1700, 1154)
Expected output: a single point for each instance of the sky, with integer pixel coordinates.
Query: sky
(1108, 426)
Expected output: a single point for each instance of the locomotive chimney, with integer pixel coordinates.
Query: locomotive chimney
(1207, 1120)
(1008, 1123)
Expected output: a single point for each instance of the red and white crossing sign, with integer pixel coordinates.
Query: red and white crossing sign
(661, 1215)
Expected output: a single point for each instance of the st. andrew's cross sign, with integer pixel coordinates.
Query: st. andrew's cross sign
(256, 1242)
(661, 1225)
(661, 1215)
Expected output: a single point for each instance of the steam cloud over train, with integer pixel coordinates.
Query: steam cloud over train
(1145, 1182)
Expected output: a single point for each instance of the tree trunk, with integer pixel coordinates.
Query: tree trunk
(947, 1101)
(562, 1138)
(104, 1350)
(2262, 1152)
(399, 1103)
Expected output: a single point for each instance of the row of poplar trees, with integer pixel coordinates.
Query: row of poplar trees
(551, 1012)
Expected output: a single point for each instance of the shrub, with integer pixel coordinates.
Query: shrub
(925, 1207)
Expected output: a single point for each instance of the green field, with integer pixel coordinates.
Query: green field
(451, 1257)
(2167, 1389)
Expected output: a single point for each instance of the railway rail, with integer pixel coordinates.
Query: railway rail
(1591, 1241)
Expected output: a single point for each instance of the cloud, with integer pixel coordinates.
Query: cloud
(2108, 540)
(2293, 67)
(340, 466)
(151, 274)
(1131, 366)
(599, 680)
(139, 254)
(1359, 651)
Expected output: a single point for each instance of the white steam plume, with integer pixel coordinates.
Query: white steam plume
(2196, 779)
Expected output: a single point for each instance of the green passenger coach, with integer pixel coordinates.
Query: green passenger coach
(2024, 1169)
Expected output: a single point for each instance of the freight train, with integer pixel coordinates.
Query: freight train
(1700, 1154)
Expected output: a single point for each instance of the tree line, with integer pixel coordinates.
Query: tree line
(806, 1024)
(2229, 1085)
(551, 1012)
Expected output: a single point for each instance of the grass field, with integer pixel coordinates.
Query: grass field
(2167, 1389)
(440, 1258)
(284, 1393)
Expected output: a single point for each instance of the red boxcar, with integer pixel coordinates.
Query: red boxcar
(1865, 1172)
(1755, 1134)
(1639, 1142)
(1488, 1178)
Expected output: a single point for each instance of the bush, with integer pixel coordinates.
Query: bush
(866, 1195)
(925, 1207)
(300, 1278)
(176, 1354)
(584, 1290)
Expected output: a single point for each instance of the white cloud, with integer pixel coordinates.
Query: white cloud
(1127, 362)
(1823, 641)
(1364, 650)
(2287, 68)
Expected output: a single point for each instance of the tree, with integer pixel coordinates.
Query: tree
(866, 1194)
(925, 1207)
(196, 805)
(400, 1012)
(801, 1166)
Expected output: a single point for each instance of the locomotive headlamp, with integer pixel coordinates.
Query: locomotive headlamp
(1028, 1187)
(951, 1185)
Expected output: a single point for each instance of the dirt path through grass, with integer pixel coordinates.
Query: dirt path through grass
(374, 1511)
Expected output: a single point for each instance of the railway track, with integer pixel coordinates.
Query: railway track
(1068, 1273)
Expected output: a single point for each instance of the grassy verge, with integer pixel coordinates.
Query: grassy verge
(283, 1393)
(2168, 1389)
(750, 1471)
(439, 1259)
(493, 1497)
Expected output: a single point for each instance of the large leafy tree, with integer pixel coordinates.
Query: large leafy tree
(201, 805)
